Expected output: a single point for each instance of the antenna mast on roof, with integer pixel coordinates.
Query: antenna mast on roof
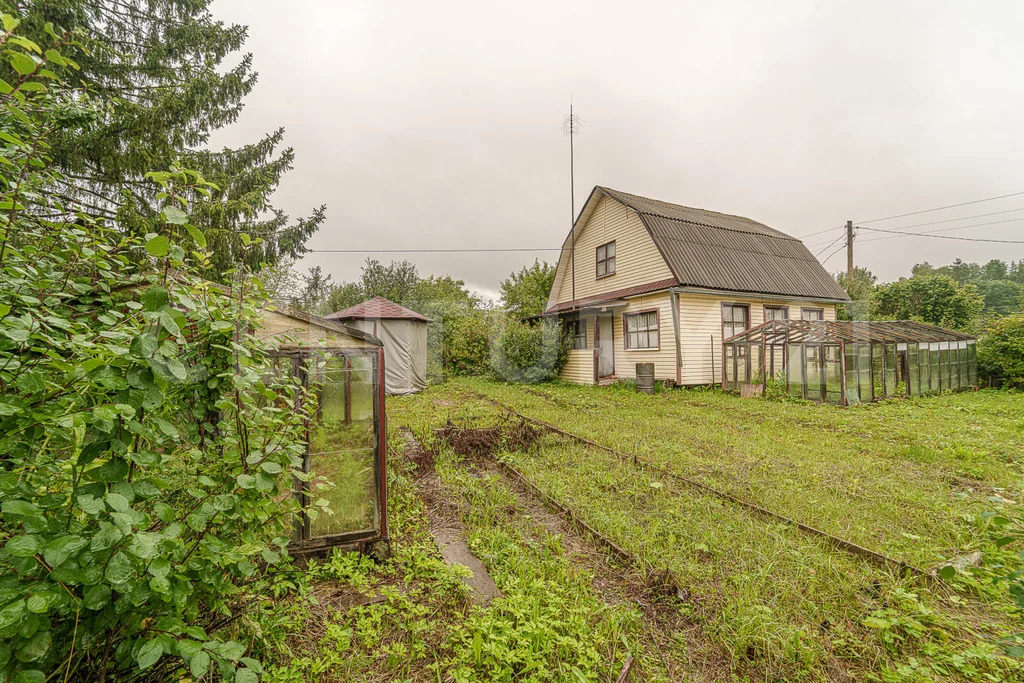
(571, 126)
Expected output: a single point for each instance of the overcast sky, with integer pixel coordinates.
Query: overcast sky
(426, 125)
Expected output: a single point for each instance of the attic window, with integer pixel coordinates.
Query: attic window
(606, 259)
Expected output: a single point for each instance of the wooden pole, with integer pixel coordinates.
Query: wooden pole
(849, 253)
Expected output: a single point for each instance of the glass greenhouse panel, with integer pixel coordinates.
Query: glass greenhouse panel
(913, 371)
(867, 393)
(730, 366)
(812, 372)
(878, 370)
(852, 377)
(343, 447)
(890, 370)
(795, 370)
(972, 363)
(933, 362)
(756, 367)
(833, 374)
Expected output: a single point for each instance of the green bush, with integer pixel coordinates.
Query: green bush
(466, 341)
(527, 353)
(144, 457)
(1001, 351)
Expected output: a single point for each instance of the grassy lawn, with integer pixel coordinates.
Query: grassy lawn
(762, 600)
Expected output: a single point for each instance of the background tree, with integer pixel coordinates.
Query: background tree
(161, 62)
(1001, 351)
(935, 299)
(525, 293)
(859, 287)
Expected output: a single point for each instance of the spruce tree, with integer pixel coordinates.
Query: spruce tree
(160, 65)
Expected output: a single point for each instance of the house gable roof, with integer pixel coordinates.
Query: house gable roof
(720, 251)
(377, 308)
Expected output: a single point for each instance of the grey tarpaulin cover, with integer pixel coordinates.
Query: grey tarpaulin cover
(404, 334)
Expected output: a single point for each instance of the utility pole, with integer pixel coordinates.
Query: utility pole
(849, 253)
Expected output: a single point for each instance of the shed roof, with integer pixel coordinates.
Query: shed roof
(853, 331)
(377, 308)
(720, 251)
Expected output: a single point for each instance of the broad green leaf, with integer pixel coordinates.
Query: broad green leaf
(160, 567)
(246, 481)
(120, 569)
(117, 502)
(21, 62)
(158, 246)
(97, 597)
(175, 216)
(61, 548)
(246, 676)
(105, 537)
(199, 665)
(24, 546)
(197, 235)
(149, 653)
(154, 298)
(947, 572)
(36, 647)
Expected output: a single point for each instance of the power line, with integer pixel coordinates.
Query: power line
(830, 244)
(928, 233)
(945, 237)
(422, 251)
(841, 247)
(940, 208)
(953, 220)
(838, 227)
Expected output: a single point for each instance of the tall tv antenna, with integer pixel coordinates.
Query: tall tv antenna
(571, 127)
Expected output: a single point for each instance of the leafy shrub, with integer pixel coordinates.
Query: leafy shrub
(1001, 351)
(144, 458)
(529, 353)
(466, 342)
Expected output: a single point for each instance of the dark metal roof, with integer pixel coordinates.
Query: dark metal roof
(720, 251)
(378, 308)
(853, 331)
(606, 297)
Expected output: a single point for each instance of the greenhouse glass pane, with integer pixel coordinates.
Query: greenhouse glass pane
(343, 447)
(730, 366)
(741, 365)
(962, 355)
(913, 371)
(852, 378)
(795, 368)
(877, 369)
(812, 370)
(933, 361)
(833, 374)
(867, 393)
(972, 363)
(890, 370)
(943, 365)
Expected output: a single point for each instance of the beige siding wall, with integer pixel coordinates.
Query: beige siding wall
(664, 358)
(700, 330)
(579, 368)
(285, 331)
(637, 259)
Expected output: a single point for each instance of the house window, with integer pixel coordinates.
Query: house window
(735, 319)
(606, 259)
(577, 329)
(641, 330)
(812, 313)
(776, 313)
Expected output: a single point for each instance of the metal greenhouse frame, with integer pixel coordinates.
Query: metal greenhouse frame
(848, 362)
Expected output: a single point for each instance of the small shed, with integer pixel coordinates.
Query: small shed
(342, 370)
(404, 335)
(850, 361)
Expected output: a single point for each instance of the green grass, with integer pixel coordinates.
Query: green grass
(907, 478)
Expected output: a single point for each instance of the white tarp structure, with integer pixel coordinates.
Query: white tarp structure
(404, 334)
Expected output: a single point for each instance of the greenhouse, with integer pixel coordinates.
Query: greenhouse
(342, 371)
(848, 362)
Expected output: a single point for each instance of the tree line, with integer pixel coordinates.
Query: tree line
(983, 299)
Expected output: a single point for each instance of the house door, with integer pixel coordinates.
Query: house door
(606, 346)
